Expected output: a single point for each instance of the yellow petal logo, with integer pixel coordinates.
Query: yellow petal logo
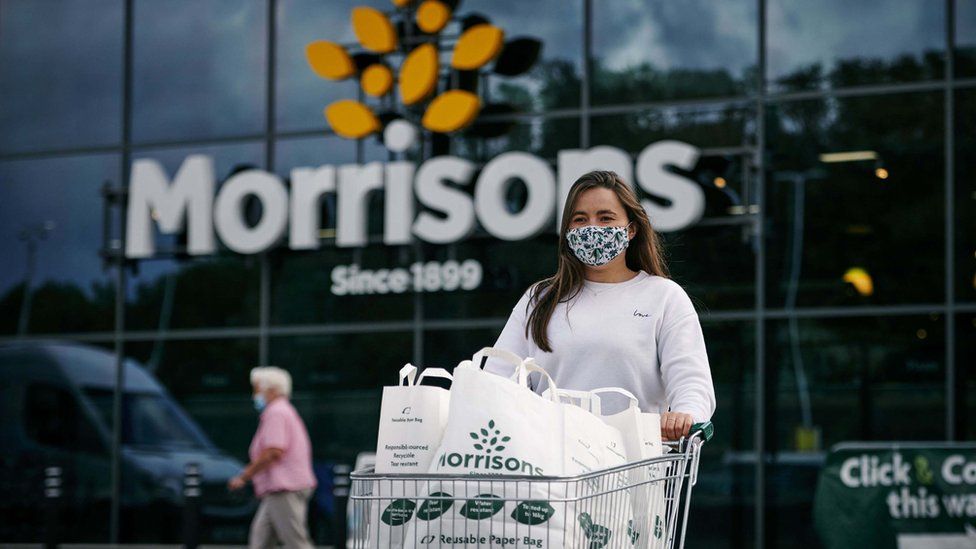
(351, 119)
(419, 74)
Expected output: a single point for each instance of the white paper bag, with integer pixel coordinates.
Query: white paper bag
(412, 421)
(498, 426)
(642, 440)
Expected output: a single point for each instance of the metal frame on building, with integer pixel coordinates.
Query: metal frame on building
(759, 314)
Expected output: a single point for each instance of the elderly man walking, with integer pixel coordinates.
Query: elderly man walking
(280, 467)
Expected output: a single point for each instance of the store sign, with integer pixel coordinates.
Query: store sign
(891, 495)
(187, 200)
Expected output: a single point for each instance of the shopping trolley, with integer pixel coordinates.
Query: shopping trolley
(639, 504)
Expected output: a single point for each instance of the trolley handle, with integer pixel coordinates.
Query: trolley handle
(705, 430)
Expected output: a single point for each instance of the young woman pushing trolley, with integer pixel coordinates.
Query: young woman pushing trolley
(610, 316)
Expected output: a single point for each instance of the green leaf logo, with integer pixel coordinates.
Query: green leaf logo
(433, 508)
(533, 512)
(599, 536)
(489, 439)
(631, 533)
(482, 506)
(398, 512)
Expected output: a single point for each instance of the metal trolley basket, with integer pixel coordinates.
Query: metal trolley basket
(606, 508)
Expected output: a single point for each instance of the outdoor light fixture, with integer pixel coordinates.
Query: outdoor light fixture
(860, 279)
(881, 173)
(848, 156)
(720, 182)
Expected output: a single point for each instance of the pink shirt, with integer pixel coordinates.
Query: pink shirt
(281, 427)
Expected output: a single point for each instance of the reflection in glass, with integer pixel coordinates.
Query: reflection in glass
(312, 152)
(174, 290)
(182, 293)
(149, 420)
(966, 374)
(554, 80)
(858, 49)
(337, 381)
(844, 379)
(60, 74)
(543, 137)
(50, 236)
(658, 50)
(300, 95)
(188, 394)
(725, 493)
(199, 69)
(855, 198)
(330, 285)
(713, 258)
(508, 269)
(965, 60)
(965, 187)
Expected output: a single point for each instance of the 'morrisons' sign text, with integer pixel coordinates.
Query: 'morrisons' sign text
(188, 199)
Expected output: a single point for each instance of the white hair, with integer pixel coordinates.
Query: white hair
(272, 377)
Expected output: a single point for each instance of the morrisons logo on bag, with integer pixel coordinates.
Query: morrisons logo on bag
(488, 442)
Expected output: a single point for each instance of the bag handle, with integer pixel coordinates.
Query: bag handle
(435, 372)
(481, 357)
(408, 373)
(617, 391)
(528, 366)
(590, 400)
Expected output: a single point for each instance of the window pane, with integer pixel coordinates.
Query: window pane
(844, 379)
(965, 60)
(965, 187)
(60, 74)
(722, 513)
(554, 81)
(864, 228)
(506, 270)
(173, 290)
(312, 152)
(543, 137)
(713, 257)
(199, 69)
(966, 374)
(337, 391)
(337, 384)
(656, 50)
(45, 422)
(207, 407)
(301, 96)
(857, 48)
(51, 234)
(333, 285)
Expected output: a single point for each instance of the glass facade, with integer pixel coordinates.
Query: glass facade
(837, 293)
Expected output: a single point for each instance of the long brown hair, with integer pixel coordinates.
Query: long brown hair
(644, 253)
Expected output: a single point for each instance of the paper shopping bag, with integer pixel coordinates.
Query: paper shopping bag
(642, 439)
(412, 421)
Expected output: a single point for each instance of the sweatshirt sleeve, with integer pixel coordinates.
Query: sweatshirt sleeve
(512, 339)
(685, 371)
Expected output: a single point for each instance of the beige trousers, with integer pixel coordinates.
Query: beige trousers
(281, 518)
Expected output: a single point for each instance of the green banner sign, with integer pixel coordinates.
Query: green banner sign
(898, 495)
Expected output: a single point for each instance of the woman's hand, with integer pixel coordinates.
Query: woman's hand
(236, 483)
(675, 425)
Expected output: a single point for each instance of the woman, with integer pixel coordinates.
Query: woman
(281, 465)
(610, 316)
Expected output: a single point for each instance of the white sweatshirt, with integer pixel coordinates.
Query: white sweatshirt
(642, 334)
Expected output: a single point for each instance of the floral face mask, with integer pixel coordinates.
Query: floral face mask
(595, 245)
